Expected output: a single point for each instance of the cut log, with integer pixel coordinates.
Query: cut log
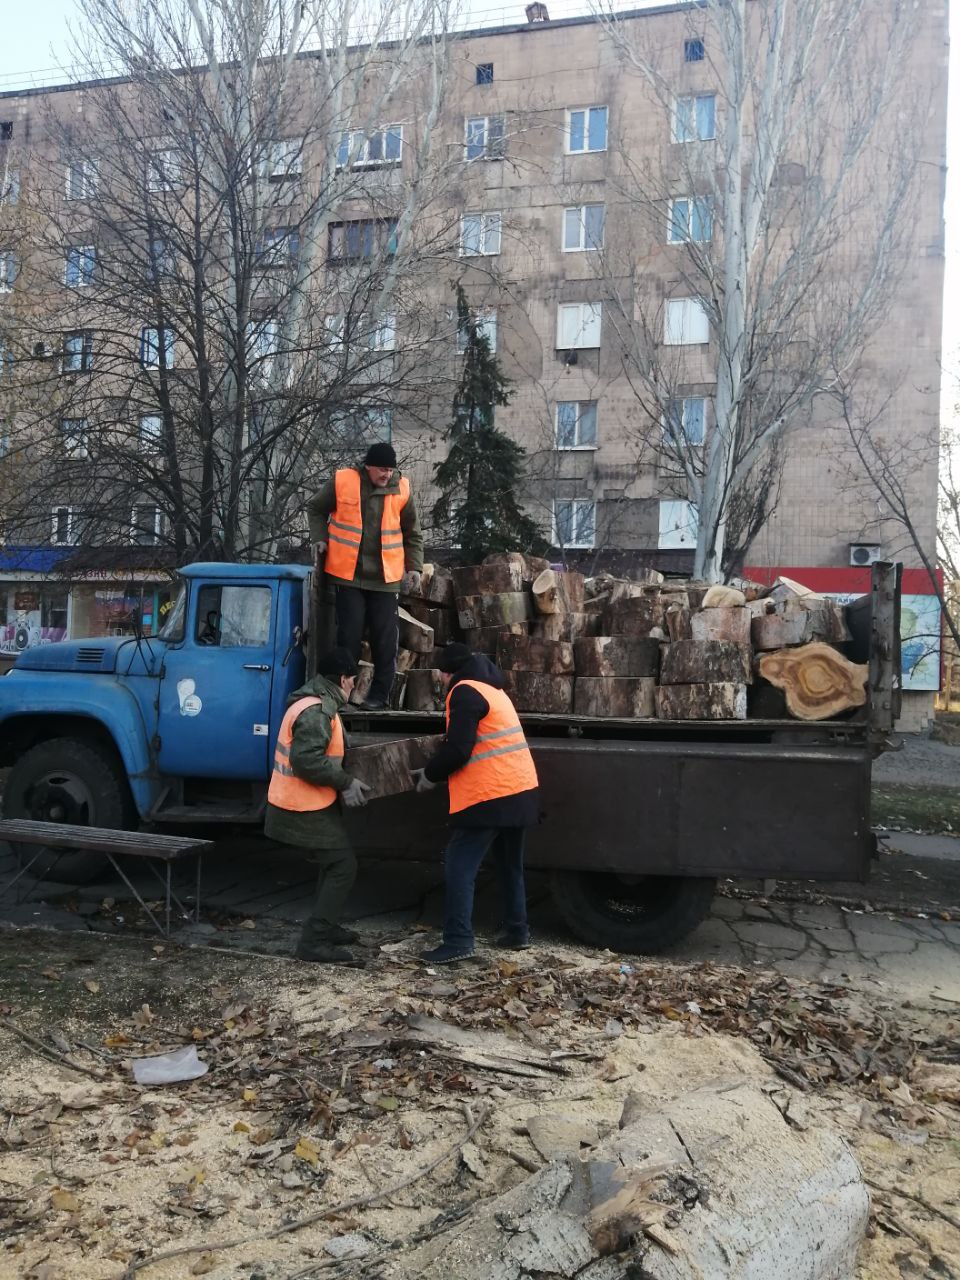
(751, 590)
(673, 598)
(488, 579)
(387, 766)
(818, 682)
(487, 639)
(714, 701)
(720, 597)
(798, 620)
(443, 621)
(558, 592)
(494, 610)
(678, 623)
(722, 624)
(616, 656)
(363, 682)
(624, 697)
(438, 588)
(423, 691)
(530, 653)
(414, 634)
(406, 658)
(634, 617)
(395, 698)
(789, 589)
(566, 626)
(706, 662)
(530, 691)
(530, 566)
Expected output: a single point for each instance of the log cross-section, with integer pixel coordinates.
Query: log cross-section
(817, 681)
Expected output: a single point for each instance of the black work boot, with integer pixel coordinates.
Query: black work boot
(324, 951)
(512, 941)
(337, 933)
(446, 953)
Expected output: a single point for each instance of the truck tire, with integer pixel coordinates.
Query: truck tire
(640, 914)
(74, 781)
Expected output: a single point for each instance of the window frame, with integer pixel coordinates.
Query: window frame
(79, 448)
(9, 270)
(694, 204)
(581, 209)
(575, 543)
(670, 538)
(357, 154)
(683, 402)
(70, 539)
(597, 309)
(694, 49)
(485, 318)
(278, 246)
(485, 231)
(89, 172)
(382, 239)
(136, 532)
(149, 443)
(279, 152)
(169, 340)
(492, 148)
(586, 149)
(693, 99)
(85, 352)
(87, 256)
(579, 445)
(668, 329)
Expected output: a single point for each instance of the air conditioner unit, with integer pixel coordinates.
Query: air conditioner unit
(862, 553)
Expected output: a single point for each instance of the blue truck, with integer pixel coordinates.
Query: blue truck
(641, 817)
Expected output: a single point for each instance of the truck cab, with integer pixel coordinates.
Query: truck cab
(173, 728)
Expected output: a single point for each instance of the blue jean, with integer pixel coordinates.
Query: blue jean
(466, 850)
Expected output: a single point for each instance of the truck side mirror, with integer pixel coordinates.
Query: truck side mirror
(295, 643)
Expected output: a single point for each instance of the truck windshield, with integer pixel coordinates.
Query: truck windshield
(173, 627)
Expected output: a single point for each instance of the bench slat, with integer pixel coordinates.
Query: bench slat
(64, 836)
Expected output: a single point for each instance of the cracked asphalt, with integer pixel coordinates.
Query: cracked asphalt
(898, 936)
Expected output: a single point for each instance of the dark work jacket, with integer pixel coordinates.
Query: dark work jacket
(467, 708)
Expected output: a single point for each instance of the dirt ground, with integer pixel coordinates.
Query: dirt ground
(326, 1087)
(921, 762)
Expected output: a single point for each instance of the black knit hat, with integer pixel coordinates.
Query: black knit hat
(338, 662)
(454, 657)
(380, 455)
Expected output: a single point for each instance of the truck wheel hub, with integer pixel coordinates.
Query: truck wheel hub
(61, 797)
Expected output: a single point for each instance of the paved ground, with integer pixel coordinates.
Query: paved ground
(899, 934)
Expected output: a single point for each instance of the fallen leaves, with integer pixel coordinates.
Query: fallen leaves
(307, 1151)
(92, 986)
(64, 1201)
(144, 1017)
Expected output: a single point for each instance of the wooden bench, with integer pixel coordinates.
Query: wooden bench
(167, 850)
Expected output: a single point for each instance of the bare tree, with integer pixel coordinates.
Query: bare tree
(771, 176)
(234, 232)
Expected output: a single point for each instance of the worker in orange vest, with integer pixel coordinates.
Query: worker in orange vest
(366, 532)
(494, 797)
(302, 810)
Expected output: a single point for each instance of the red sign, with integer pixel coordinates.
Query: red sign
(854, 580)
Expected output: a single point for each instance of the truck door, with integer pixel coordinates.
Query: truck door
(214, 715)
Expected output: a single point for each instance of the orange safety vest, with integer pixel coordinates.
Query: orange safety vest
(500, 763)
(345, 529)
(287, 791)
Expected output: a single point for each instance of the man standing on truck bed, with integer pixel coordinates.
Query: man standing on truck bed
(302, 809)
(364, 524)
(494, 797)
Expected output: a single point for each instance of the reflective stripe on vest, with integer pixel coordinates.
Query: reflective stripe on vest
(345, 528)
(500, 763)
(287, 791)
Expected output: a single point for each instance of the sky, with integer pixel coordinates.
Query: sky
(35, 48)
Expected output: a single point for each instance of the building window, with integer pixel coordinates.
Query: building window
(6, 130)
(284, 159)
(583, 228)
(62, 530)
(161, 257)
(686, 421)
(146, 526)
(485, 138)
(77, 355)
(150, 432)
(8, 270)
(278, 247)
(678, 525)
(81, 179)
(693, 50)
(382, 332)
(695, 118)
(164, 170)
(687, 323)
(73, 436)
(371, 150)
(6, 361)
(362, 427)
(484, 73)
(81, 265)
(486, 322)
(9, 185)
(577, 424)
(364, 239)
(691, 220)
(479, 234)
(587, 130)
(574, 522)
(152, 342)
(262, 346)
(578, 325)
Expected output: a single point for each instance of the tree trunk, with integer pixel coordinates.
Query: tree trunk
(797, 620)
(529, 653)
(530, 691)
(487, 639)
(721, 624)
(488, 579)
(634, 617)
(387, 766)
(706, 662)
(423, 691)
(555, 592)
(414, 634)
(616, 656)
(566, 626)
(678, 623)
(494, 610)
(818, 681)
(711, 701)
(623, 697)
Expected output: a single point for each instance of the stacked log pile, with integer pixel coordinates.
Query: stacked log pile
(630, 649)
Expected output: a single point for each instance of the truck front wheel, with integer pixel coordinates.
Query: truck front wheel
(631, 913)
(72, 781)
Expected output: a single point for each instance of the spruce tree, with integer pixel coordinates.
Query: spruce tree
(479, 480)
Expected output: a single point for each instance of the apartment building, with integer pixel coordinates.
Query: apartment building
(564, 205)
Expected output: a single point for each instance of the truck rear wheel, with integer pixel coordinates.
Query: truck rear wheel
(72, 781)
(631, 913)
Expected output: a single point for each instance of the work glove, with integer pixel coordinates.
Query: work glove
(423, 782)
(353, 796)
(411, 582)
(319, 550)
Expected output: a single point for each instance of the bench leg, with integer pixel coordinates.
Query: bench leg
(136, 893)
